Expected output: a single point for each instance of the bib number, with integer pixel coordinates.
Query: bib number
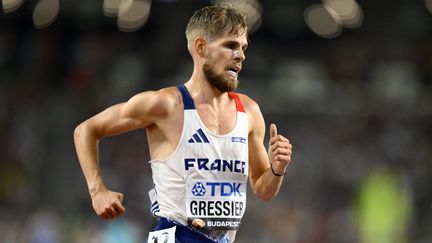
(162, 236)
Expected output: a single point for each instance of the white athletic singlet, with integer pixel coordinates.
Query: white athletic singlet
(206, 177)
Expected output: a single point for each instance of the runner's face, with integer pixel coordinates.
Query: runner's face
(224, 57)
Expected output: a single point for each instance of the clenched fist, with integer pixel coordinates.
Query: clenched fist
(108, 204)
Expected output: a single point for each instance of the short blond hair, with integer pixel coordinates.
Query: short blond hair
(212, 22)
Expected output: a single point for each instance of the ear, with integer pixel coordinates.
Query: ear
(200, 46)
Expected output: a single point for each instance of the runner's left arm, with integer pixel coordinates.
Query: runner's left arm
(266, 167)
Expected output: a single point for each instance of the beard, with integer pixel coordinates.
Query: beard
(218, 80)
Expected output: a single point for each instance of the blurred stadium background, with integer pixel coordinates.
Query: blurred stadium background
(348, 82)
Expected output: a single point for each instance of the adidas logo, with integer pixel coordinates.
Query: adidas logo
(199, 137)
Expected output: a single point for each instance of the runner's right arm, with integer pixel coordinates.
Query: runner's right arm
(140, 111)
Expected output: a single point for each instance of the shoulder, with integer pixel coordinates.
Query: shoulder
(251, 106)
(158, 103)
(253, 111)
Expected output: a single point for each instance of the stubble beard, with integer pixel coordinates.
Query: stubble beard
(220, 82)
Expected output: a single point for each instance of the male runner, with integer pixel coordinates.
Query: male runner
(205, 141)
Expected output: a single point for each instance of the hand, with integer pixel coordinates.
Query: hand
(108, 204)
(279, 151)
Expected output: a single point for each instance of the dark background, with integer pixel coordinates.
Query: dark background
(357, 109)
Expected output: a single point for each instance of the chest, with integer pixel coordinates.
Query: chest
(219, 121)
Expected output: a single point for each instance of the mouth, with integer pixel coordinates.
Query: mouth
(233, 71)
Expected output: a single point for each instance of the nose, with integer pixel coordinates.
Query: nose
(239, 55)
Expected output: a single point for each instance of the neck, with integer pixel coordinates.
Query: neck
(203, 92)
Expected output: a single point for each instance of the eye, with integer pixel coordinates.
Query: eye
(231, 46)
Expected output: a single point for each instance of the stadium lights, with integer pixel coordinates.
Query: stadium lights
(110, 7)
(347, 12)
(11, 5)
(320, 21)
(45, 12)
(328, 19)
(131, 14)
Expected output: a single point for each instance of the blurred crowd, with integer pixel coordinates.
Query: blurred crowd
(357, 109)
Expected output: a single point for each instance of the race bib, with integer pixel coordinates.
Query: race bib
(219, 204)
(162, 236)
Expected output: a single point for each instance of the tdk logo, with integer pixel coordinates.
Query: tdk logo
(238, 140)
(220, 189)
(198, 189)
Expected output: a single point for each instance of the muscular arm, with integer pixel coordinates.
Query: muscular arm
(140, 111)
(264, 183)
